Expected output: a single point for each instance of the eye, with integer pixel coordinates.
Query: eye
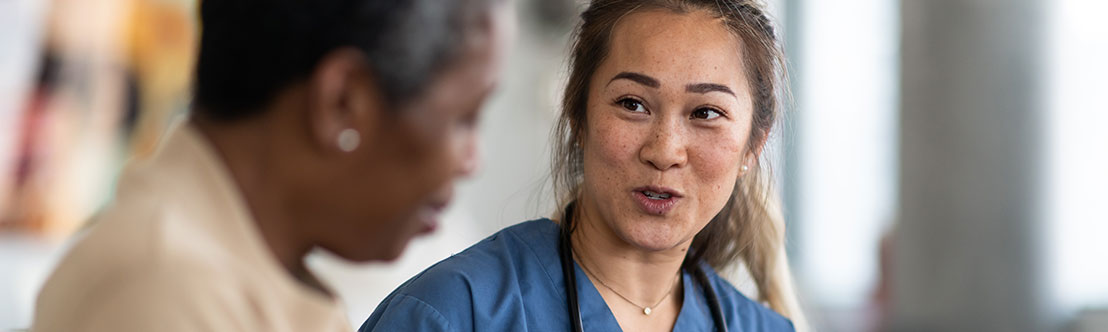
(706, 113)
(470, 118)
(631, 104)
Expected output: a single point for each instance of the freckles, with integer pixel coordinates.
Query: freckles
(612, 144)
(717, 165)
(715, 161)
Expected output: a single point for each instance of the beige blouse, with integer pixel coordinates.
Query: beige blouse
(177, 251)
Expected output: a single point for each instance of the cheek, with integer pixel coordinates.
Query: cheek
(717, 166)
(427, 143)
(610, 143)
(437, 163)
(409, 160)
(609, 149)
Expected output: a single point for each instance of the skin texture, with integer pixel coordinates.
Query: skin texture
(367, 204)
(670, 124)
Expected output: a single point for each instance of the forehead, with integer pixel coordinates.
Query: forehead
(478, 66)
(676, 47)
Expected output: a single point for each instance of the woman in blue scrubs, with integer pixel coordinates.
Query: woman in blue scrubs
(658, 170)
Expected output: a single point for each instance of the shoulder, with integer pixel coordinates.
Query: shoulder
(126, 263)
(750, 315)
(487, 263)
(137, 237)
(473, 281)
(139, 296)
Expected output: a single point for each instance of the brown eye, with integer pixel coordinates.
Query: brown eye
(469, 119)
(631, 105)
(705, 113)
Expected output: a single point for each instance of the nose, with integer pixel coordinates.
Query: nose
(468, 157)
(665, 148)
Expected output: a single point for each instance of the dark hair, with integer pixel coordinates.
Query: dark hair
(750, 226)
(251, 49)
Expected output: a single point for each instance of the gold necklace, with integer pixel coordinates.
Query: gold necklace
(646, 310)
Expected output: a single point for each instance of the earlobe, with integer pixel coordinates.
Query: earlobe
(749, 160)
(348, 140)
(338, 105)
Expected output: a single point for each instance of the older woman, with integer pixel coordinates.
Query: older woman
(668, 106)
(338, 125)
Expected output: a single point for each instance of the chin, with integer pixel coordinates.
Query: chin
(392, 252)
(388, 253)
(654, 235)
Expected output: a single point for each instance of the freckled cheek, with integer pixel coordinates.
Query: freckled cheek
(717, 167)
(609, 157)
(611, 144)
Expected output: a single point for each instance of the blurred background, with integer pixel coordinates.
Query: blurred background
(944, 163)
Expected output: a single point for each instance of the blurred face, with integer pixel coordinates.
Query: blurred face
(406, 165)
(669, 114)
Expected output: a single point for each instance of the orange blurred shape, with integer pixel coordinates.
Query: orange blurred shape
(160, 42)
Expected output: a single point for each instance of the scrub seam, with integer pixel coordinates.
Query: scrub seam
(430, 307)
(539, 258)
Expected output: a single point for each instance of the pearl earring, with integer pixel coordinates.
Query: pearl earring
(349, 139)
(744, 168)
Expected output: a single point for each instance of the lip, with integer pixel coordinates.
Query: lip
(428, 216)
(430, 212)
(656, 206)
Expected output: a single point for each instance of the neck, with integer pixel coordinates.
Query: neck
(643, 276)
(247, 151)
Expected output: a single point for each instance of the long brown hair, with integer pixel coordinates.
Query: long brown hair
(750, 227)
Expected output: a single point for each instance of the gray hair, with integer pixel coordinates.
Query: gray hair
(422, 39)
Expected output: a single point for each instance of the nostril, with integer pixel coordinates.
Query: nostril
(664, 151)
(665, 162)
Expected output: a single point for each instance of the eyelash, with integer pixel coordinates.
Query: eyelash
(719, 112)
(623, 102)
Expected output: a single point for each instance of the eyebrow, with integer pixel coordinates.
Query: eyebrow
(708, 87)
(638, 78)
(653, 83)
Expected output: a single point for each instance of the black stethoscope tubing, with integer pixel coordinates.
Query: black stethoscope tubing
(565, 250)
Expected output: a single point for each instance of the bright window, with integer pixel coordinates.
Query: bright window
(1077, 178)
(846, 139)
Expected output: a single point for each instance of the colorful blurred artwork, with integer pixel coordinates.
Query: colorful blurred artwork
(110, 75)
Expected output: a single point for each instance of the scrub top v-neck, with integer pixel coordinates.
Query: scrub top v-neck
(513, 281)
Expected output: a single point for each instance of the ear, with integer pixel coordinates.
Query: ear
(757, 145)
(342, 97)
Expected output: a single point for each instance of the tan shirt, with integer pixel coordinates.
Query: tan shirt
(178, 251)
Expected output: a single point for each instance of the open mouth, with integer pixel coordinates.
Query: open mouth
(656, 200)
(656, 195)
(431, 211)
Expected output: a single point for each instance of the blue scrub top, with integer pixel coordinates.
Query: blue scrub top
(512, 281)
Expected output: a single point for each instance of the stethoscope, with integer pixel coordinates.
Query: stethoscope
(565, 250)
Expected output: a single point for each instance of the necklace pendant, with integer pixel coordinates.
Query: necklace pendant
(646, 311)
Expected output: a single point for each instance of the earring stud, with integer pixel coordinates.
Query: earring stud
(744, 168)
(349, 139)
